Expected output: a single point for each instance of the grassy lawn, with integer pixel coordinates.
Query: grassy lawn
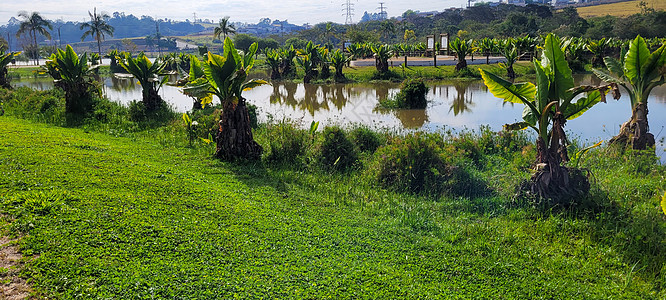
(143, 216)
(620, 9)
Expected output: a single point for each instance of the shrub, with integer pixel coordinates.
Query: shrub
(412, 95)
(366, 139)
(161, 115)
(286, 143)
(336, 151)
(421, 163)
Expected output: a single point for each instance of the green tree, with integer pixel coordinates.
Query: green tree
(638, 72)
(147, 73)
(387, 28)
(548, 106)
(72, 74)
(224, 29)
(97, 28)
(225, 78)
(34, 25)
(243, 41)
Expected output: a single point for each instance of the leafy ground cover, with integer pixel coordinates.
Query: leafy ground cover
(134, 215)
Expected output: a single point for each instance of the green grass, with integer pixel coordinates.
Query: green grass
(145, 216)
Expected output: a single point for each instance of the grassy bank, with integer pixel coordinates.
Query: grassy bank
(525, 71)
(116, 209)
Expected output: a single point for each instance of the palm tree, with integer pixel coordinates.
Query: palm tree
(225, 28)
(97, 27)
(33, 24)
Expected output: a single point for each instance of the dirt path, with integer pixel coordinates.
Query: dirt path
(12, 286)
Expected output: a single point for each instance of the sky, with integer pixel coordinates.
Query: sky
(295, 11)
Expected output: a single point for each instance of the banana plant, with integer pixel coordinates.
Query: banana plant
(309, 67)
(382, 54)
(462, 48)
(113, 56)
(5, 60)
(548, 106)
(598, 50)
(273, 60)
(638, 72)
(72, 74)
(324, 63)
(287, 66)
(147, 73)
(339, 60)
(195, 84)
(508, 49)
(225, 78)
(487, 47)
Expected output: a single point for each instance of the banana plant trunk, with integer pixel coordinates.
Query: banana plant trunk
(381, 65)
(339, 76)
(553, 181)
(462, 63)
(234, 139)
(635, 132)
(151, 99)
(4, 83)
(275, 73)
(510, 72)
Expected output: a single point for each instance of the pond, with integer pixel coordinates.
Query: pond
(452, 104)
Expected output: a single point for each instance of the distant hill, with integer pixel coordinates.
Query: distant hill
(620, 9)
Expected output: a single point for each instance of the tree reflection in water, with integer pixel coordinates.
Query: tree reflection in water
(463, 101)
(315, 97)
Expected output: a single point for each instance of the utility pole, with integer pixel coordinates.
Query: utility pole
(59, 38)
(348, 12)
(383, 15)
(157, 35)
(194, 15)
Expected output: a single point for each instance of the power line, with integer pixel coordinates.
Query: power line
(349, 12)
(383, 15)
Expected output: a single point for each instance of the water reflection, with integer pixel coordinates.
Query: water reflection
(315, 98)
(455, 104)
(463, 101)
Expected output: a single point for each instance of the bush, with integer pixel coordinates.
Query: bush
(412, 96)
(336, 151)
(46, 106)
(421, 163)
(286, 143)
(366, 139)
(160, 116)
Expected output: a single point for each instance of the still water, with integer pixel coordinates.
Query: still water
(453, 104)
